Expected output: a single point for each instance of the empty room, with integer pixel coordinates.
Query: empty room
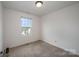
(39, 28)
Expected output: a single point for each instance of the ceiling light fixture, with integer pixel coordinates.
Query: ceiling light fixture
(38, 3)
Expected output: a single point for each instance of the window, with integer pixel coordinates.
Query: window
(26, 24)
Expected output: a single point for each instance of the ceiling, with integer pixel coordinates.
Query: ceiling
(29, 6)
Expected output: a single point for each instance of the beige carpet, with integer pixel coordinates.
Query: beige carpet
(39, 49)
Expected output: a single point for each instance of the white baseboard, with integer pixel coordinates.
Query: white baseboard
(23, 44)
(69, 50)
(72, 51)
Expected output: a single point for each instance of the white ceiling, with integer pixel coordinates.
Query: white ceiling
(29, 6)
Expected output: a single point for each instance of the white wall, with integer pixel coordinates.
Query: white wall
(12, 28)
(63, 27)
(1, 39)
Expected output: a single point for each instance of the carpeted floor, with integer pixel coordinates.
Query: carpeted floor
(39, 49)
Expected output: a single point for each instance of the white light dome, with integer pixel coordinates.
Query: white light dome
(38, 4)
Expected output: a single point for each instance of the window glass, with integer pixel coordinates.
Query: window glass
(26, 24)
